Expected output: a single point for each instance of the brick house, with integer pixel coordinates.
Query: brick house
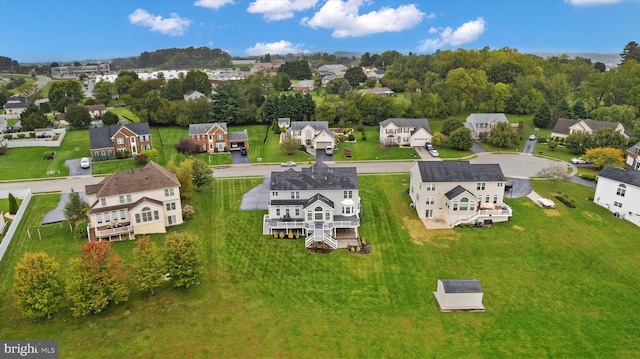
(107, 141)
(214, 137)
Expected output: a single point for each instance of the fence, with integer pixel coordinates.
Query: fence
(35, 142)
(26, 197)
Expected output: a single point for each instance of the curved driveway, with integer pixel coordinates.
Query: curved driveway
(520, 165)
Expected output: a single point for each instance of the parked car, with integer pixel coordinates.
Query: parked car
(329, 150)
(578, 160)
(532, 137)
(288, 164)
(434, 153)
(429, 146)
(243, 151)
(85, 162)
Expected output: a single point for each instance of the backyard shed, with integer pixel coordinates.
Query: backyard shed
(459, 295)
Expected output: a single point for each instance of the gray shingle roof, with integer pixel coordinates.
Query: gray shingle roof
(317, 177)
(101, 137)
(455, 192)
(237, 136)
(316, 125)
(563, 124)
(631, 177)
(634, 149)
(202, 128)
(318, 197)
(486, 117)
(458, 171)
(461, 285)
(408, 122)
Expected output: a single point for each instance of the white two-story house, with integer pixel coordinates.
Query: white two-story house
(412, 132)
(458, 192)
(314, 134)
(319, 202)
(633, 156)
(479, 123)
(619, 191)
(137, 201)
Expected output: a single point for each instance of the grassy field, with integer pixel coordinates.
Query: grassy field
(557, 283)
(126, 113)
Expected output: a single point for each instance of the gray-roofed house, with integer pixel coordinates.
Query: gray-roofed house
(459, 295)
(412, 132)
(564, 127)
(192, 95)
(214, 137)
(284, 123)
(633, 156)
(479, 123)
(107, 141)
(378, 91)
(319, 202)
(314, 134)
(303, 86)
(618, 190)
(137, 201)
(15, 105)
(449, 193)
(336, 69)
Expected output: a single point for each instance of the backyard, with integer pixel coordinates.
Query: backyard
(557, 283)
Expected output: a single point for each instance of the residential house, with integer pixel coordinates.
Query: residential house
(319, 202)
(284, 123)
(618, 190)
(96, 111)
(633, 156)
(378, 91)
(15, 105)
(412, 132)
(479, 123)
(450, 193)
(564, 127)
(193, 95)
(303, 86)
(106, 142)
(374, 73)
(314, 134)
(137, 201)
(337, 70)
(214, 137)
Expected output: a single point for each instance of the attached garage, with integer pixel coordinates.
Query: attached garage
(459, 295)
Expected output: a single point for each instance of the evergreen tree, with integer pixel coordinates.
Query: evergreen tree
(74, 208)
(562, 109)
(13, 204)
(32, 118)
(542, 117)
(37, 285)
(579, 110)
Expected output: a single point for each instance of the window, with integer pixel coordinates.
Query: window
(137, 217)
(487, 198)
(495, 199)
(500, 184)
(309, 216)
(464, 204)
(220, 137)
(133, 140)
(318, 214)
(121, 198)
(119, 141)
(171, 206)
(348, 194)
(428, 213)
(278, 211)
(480, 186)
(327, 215)
(430, 200)
(295, 195)
(431, 186)
(103, 201)
(287, 212)
(128, 198)
(146, 215)
(274, 194)
(617, 204)
(99, 217)
(411, 189)
(455, 206)
(347, 210)
(156, 215)
(168, 192)
(297, 212)
(622, 189)
(122, 215)
(171, 219)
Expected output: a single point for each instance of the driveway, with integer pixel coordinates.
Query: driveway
(517, 165)
(477, 147)
(256, 198)
(57, 214)
(237, 157)
(321, 155)
(529, 146)
(75, 169)
(520, 187)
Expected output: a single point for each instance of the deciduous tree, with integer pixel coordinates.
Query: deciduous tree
(604, 156)
(77, 116)
(104, 91)
(37, 285)
(461, 139)
(184, 259)
(503, 135)
(355, 76)
(451, 124)
(202, 174)
(110, 118)
(289, 144)
(554, 173)
(198, 81)
(148, 265)
(184, 173)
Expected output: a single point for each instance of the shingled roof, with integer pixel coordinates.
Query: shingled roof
(458, 171)
(101, 137)
(487, 117)
(202, 128)
(415, 123)
(152, 176)
(316, 125)
(629, 177)
(564, 124)
(317, 177)
(461, 285)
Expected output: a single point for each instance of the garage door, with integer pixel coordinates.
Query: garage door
(321, 145)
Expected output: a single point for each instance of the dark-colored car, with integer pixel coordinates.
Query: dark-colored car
(243, 151)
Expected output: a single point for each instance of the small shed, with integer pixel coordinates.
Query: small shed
(459, 295)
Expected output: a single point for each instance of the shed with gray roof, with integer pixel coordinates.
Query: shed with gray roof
(459, 295)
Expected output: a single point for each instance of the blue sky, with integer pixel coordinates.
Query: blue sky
(66, 30)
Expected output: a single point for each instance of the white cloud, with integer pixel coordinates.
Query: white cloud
(591, 2)
(174, 25)
(282, 47)
(468, 32)
(343, 18)
(212, 4)
(275, 10)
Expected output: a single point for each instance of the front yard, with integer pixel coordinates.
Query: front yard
(557, 283)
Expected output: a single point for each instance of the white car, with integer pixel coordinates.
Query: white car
(434, 153)
(577, 160)
(532, 137)
(85, 162)
(288, 164)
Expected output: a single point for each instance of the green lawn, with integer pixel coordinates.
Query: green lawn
(557, 283)
(126, 113)
(28, 162)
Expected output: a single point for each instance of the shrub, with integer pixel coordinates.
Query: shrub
(347, 152)
(21, 135)
(277, 130)
(13, 204)
(31, 134)
(360, 128)
(55, 137)
(49, 155)
(187, 147)
(141, 159)
(8, 136)
(565, 202)
(352, 137)
(80, 229)
(364, 136)
(149, 153)
(188, 212)
(123, 154)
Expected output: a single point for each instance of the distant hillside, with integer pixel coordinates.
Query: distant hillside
(610, 60)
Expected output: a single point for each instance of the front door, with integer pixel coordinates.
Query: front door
(428, 213)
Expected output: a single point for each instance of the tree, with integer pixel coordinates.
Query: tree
(125, 80)
(74, 208)
(38, 285)
(578, 142)
(604, 156)
(289, 144)
(355, 76)
(30, 91)
(608, 137)
(562, 110)
(68, 88)
(13, 204)
(461, 139)
(600, 67)
(95, 280)
(578, 109)
(554, 173)
(187, 147)
(281, 81)
(104, 91)
(499, 95)
(32, 118)
(77, 116)
(188, 112)
(439, 139)
(198, 81)
(631, 51)
(503, 135)
(542, 117)
(148, 265)
(172, 90)
(183, 258)
(624, 114)
(451, 124)
(202, 174)
(184, 173)
(296, 70)
(110, 118)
